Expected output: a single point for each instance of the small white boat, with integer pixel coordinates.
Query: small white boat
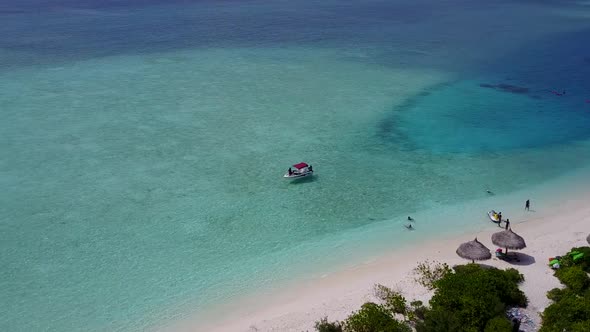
(301, 170)
(494, 216)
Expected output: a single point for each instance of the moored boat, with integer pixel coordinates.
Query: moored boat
(300, 170)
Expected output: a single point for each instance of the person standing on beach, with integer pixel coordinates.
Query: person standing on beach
(527, 205)
(507, 223)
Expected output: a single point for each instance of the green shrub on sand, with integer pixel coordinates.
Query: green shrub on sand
(323, 325)
(570, 310)
(469, 298)
(498, 324)
(374, 318)
(570, 313)
(574, 278)
(427, 273)
(579, 256)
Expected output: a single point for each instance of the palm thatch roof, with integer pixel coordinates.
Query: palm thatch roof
(474, 250)
(508, 239)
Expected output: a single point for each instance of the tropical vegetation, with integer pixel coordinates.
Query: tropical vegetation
(466, 298)
(570, 310)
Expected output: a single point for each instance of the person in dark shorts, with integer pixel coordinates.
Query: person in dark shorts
(527, 205)
(507, 223)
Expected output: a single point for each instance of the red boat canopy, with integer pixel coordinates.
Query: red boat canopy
(300, 165)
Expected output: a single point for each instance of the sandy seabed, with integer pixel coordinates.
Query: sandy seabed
(549, 230)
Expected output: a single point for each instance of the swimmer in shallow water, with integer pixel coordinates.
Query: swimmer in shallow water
(410, 218)
(409, 226)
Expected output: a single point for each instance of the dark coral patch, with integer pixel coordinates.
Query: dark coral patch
(506, 88)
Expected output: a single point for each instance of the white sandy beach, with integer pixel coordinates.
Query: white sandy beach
(548, 231)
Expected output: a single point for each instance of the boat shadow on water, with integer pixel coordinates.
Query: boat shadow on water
(305, 179)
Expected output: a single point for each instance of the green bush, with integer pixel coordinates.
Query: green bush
(574, 278)
(571, 312)
(584, 262)
(581, 326)
(417, 311)
(427, 273)
(439, 321)
(498, 324)
(513, 275)
(556, 294)
(396, 303)
(374, 318)
(470, 297)
(392, 300)
(473, 280)
(323, 325)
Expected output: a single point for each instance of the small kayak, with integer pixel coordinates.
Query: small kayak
(494, 216)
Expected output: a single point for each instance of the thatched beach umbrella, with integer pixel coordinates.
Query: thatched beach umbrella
(474, 250)
(508, 239)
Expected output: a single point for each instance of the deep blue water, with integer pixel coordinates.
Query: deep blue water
(47, 31)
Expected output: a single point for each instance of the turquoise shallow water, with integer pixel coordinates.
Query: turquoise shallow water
(142, 159)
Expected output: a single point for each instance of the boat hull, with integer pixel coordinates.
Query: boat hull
(298, 176)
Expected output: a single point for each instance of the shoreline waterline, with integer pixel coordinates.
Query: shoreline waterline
(144, 144)
(349, 284)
